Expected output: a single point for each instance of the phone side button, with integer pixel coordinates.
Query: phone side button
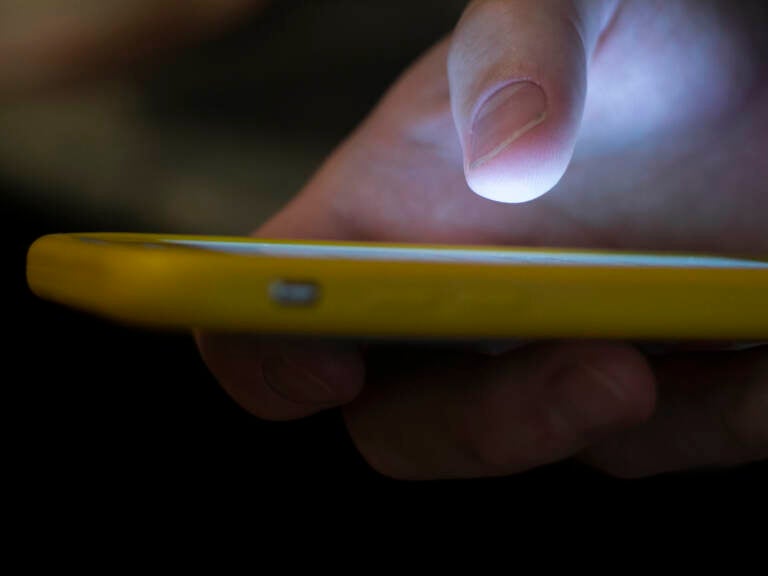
(294, 293)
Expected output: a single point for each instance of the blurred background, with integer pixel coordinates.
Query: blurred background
(211, 129)
(125, 115)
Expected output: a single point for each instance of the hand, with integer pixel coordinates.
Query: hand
(634, 124)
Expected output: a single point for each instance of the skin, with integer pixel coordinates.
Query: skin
(652, 133)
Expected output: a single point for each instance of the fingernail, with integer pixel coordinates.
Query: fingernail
(506, 116)
(295, 384)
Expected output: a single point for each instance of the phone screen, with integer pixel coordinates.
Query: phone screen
(481, 255)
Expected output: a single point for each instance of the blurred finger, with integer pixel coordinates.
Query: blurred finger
(713, 411)
(283, 380)
(471, 415)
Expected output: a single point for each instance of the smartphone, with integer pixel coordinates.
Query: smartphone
(401, 291)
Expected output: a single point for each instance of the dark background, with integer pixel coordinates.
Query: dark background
(104, 416)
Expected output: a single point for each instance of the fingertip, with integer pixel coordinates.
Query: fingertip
(551, 400)
(512, 181)
(283, 380)
(515, 150)
(620, 379)
(520, 142)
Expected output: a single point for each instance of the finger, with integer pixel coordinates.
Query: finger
(478, 416)
(518, 77)
(713, 411)
(283, 380)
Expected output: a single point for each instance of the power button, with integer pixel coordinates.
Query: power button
(294, 293)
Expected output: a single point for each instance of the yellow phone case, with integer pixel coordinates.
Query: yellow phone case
(169, 281)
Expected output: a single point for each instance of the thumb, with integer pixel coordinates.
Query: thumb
(518, 76)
